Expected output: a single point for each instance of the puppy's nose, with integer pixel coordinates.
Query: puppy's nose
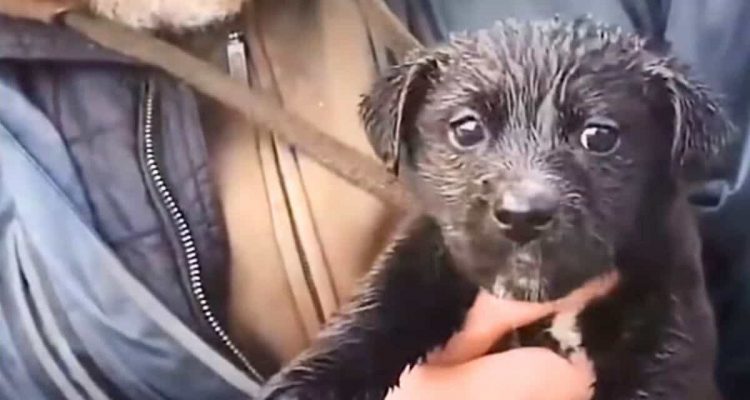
(525, 210)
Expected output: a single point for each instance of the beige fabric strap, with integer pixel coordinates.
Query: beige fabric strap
(259, 110)
(285, 238)
(309, 275)
(281, 203)
(299, 244)
(293, 218)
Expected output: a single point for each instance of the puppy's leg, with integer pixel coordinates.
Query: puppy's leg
(411, 303)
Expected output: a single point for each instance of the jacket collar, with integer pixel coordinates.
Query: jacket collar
(26, 40)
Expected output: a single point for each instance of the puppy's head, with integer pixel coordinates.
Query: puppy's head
(543, 149)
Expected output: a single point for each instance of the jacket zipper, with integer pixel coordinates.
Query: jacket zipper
(184, 233)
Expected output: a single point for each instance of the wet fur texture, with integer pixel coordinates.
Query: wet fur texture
(535, 86)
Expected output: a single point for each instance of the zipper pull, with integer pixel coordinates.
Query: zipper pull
(237, 57)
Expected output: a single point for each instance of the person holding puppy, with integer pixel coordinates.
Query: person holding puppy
(126, 196)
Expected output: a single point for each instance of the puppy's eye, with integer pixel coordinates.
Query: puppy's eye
(600, 138)
(467, 132)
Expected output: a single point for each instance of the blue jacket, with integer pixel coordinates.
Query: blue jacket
(112, 256)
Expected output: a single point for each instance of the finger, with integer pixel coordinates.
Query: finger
(590, 291)
(491, 318)
(487, 320)
(580, 361)
(521, 374)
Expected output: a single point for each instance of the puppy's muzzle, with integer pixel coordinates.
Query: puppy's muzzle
(525, 209)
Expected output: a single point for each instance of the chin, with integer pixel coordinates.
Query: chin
(541, 270)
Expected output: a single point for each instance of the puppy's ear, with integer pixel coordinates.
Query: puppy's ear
(701, 128)
(389, 110)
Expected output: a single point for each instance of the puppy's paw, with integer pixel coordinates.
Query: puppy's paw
(564, 329)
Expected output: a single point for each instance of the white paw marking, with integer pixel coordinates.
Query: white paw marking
(565, 330)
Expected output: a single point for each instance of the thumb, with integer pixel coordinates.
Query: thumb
(488, 319)
(491, 318)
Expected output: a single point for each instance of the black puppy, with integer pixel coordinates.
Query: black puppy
(543, 154)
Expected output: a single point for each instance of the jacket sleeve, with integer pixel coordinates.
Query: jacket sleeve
(74, 323)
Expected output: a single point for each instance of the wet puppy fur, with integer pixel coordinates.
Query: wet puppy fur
(578, 120)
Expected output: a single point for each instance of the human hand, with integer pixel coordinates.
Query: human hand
(460, 369)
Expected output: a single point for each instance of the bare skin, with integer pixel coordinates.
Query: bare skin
(461, 370)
